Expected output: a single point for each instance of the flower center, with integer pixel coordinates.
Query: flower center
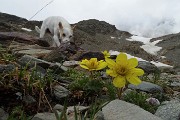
(92, 65)
(122, 71)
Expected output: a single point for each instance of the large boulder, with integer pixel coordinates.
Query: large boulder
(44, 116)
(121, 110)
(7, 37)
(3, 114)
(169, 110)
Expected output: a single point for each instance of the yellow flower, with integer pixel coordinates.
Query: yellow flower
(106, 54)
(93, 64)
(124, 70)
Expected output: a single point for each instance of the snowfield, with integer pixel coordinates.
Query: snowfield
(149, 47)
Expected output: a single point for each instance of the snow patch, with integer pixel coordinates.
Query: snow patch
(149, 47)
(158, 64)
(163, 57)
(26, 29)
(113, 37)
(139, 38)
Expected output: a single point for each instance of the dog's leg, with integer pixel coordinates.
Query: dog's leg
(55, 37)
(43, 31)
(37, 29)
(53, 44)
(56, 40)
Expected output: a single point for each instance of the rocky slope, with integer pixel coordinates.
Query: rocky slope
(92, 35)
(95, 35)
(170, 48)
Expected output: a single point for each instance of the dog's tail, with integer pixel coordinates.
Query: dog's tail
(37, 29)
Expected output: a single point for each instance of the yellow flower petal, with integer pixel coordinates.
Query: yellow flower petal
(111, 63)
(119, 81)
(106, 54)
(133, 80)
(101, 65)
(132, 62)
(136, 72)
(84, 66)
(121, 59)
(84, 61)
(101, 61)
(111, 73)
(93, 59)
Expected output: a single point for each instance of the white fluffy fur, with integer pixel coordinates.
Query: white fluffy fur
(59, 28)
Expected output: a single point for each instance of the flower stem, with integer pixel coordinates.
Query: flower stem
(91, 75)
(119, 92)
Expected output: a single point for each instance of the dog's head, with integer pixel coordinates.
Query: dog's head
(66, 34)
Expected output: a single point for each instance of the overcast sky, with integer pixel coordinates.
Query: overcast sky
(148, 18)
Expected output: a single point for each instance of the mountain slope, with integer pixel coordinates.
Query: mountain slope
(170, 48)
(95, 35)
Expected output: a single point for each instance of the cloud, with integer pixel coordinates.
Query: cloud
(149, 18)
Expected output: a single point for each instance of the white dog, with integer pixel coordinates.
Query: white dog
(58, 27)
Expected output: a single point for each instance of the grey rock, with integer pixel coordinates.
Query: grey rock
(32, 61)
(19, 95)
(104, 75)
(89, 55)
(44, 116)
(61, 53)
(99, 116)
(28, 99)
(147, 67)
(51, 116)
(146, 87)
(121, 110)
(60, 92)
(3, 114)
(64, 68)
(175, 84)
(172, 80)
(166, 69)
(34, 52)
(169, 110)
(78, 108)
(7, 68)
(153, 101)
(127, 91)
(171, 102)
(70, 63)
(58, 107)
